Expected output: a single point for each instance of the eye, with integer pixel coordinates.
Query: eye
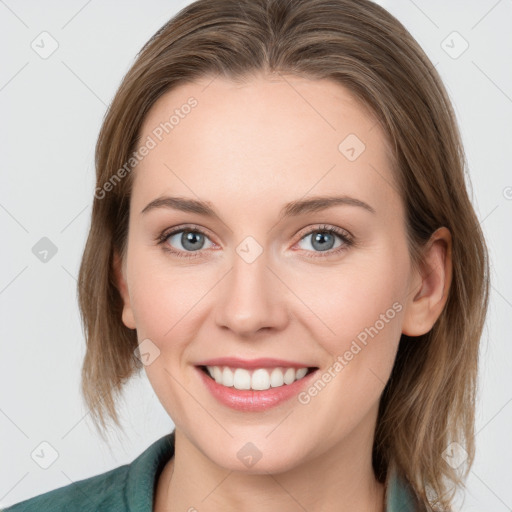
(183, 241)
(188, 241)
(323, 239)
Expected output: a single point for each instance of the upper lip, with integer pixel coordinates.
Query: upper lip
(262, 362)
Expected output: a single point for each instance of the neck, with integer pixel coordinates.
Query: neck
(341, 480)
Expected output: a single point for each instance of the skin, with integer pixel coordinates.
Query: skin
(249, 149)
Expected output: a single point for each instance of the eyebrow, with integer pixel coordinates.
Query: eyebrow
(292, 209)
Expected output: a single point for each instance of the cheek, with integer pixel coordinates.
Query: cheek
(361, 307)
(363, 313)
(166, 307)
(166, 301)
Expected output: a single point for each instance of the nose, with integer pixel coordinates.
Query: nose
(252, 298)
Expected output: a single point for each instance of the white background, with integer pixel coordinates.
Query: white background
(51, 112)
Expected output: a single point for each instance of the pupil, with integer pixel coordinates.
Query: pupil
(321, 239)
(190, 237)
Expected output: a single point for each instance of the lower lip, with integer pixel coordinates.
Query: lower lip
(249, 400)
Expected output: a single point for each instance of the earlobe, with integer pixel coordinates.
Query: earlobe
(434, 280)
(119, 274)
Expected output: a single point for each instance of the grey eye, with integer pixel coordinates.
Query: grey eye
(321, 240)
(189, 240)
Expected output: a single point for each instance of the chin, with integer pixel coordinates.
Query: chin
(254, 459)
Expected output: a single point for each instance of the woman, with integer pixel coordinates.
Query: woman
(282, 238)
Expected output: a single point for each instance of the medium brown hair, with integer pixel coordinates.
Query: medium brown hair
(429, 400)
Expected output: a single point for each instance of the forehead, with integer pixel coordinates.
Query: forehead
(271, 139)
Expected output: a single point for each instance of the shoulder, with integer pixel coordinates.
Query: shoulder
(94, 494)
(127, 487)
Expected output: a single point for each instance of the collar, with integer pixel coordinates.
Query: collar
(399, 495)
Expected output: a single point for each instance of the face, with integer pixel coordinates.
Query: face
(321, 286)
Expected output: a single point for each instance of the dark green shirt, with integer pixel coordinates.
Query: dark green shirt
(131, 488)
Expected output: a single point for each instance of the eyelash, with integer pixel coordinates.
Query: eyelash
(347, 240)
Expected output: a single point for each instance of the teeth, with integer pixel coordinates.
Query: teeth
(276, 378)
(301, 372)
(227, 377)
(289, 375)
(241, 378)
(258, 380)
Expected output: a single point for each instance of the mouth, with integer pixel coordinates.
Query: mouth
(257, 379)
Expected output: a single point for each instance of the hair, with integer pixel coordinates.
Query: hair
(429, 400)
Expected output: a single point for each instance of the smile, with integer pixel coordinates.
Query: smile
(258, 379)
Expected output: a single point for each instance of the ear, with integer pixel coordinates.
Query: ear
(431, 284)
(120, 279)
